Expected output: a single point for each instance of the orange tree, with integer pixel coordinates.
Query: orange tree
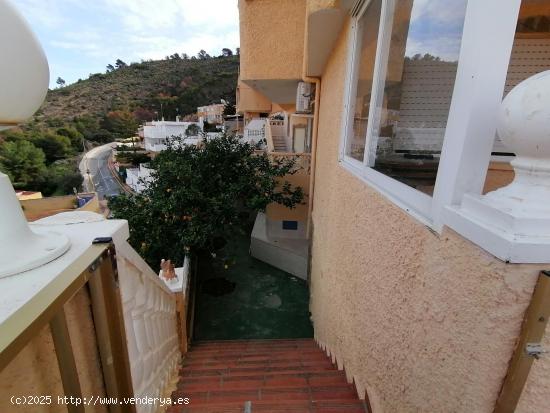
(198, 195)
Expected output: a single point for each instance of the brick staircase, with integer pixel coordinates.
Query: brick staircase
(279, 144)
(263, 376)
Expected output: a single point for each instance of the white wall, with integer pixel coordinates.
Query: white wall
(156, 133)
(136, 178)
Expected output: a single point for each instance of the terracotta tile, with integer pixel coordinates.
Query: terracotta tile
(281, 381)
(285, 394)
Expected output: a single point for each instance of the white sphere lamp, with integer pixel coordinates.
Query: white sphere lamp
(24, 78)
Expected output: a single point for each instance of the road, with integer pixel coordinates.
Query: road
(94, 168)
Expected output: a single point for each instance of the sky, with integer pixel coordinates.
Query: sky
(436, 28)
(81, 37)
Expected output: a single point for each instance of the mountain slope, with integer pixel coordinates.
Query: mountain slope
(180, 85)
(42, 154)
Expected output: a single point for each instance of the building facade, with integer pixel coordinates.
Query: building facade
(419, 283)
(212, 113)
(157, 133)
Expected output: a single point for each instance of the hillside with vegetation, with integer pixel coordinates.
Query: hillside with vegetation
(43, 154)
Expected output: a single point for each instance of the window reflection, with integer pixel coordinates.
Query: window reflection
(418, 79)
(365, 58)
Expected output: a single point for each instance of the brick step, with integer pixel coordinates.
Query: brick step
(296, 341)
(255, 345)
(255, 359)
(282, 406)
(340, 392)
(247, 371)
(258, 364)
(275, 375)
(252, 352)
(243, 370)
(226, 355)
(262, 381)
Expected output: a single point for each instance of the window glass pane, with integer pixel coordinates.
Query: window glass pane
(367, 39)
(418, 85)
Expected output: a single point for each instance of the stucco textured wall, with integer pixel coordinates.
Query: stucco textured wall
(424, 322)
(272, 38)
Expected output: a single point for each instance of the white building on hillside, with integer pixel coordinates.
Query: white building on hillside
(137, 178)
(156, 133)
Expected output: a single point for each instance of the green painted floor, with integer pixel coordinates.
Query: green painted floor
(240, 297)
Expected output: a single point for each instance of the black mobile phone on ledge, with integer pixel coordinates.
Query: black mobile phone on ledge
(102, 240)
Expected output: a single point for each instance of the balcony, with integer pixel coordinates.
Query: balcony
(275, 69)
(325, 20)
(250, 101)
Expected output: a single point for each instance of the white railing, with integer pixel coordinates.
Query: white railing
(151, 326)
(277, 127)
(269, 139)
(255, 131)
(151, 330)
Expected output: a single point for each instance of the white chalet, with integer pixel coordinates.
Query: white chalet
(156, 133)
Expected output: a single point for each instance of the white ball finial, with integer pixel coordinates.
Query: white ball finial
(524, 118)
(524, 127)
(24, 72)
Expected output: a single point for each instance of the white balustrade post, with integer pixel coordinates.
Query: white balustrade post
(513, 222)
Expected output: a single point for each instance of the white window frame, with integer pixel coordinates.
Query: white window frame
(481, 75)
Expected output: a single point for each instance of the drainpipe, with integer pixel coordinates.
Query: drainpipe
(314, 132)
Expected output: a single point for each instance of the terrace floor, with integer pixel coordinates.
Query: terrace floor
(240, 297)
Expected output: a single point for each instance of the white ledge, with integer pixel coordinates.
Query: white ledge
(81, 228)
(497, 233)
